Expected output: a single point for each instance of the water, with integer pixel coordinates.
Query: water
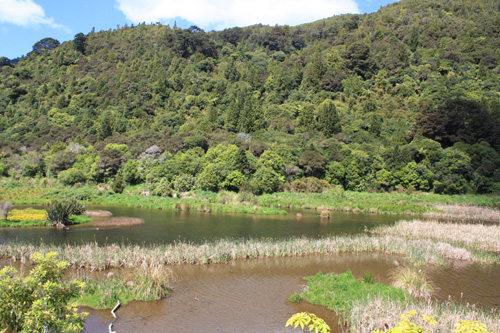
(169, 226)
(252, 295)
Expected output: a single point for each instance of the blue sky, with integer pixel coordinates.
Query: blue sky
(25, 22)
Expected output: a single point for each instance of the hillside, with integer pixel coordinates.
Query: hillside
(404, 98)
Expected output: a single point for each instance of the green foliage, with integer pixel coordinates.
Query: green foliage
(39, 302)
(71, 176)
(368, 277)
(376, 97)
(59, 212)
(266, 180)
(338, 291)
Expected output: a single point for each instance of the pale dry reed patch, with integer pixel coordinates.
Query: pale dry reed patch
(413, 280)
(466, 213)
(472, 236)
(381, 314)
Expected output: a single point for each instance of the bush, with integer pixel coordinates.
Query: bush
(313, 185)
(298, 186)
(184, 183)
(5, 209)
(39, 303)
(161, 188)
(59, 212)
(71, 176)
(118, 185)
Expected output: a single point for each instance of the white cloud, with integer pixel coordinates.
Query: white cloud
(24, 13)
(219, 14)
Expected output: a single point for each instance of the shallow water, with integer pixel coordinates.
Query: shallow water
(169, 226)
(252, 295)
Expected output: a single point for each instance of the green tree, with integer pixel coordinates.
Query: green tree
(328, 118)
(80, 43)
(39, 302)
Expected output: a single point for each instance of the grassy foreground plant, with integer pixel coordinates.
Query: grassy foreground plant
(39, 302)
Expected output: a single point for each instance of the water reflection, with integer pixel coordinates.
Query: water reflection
(169, 226)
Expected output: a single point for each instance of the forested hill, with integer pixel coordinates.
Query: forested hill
(407, 97)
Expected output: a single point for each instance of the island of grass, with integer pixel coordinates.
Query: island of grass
(18, 218)
(366, 307)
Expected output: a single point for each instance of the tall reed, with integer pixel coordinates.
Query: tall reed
(475, 244)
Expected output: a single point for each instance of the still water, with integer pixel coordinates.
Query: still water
(252, 295)
(249, 295)
(169, 226)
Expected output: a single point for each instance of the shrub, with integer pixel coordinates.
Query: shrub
(118, 185)
(59, 212)
(161, 188)
(184, 183)
(298, 186)
(71, 176)
(313, 185)
(39, 303)
(5, 209)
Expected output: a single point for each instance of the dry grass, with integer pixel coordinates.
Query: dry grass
(118, 222)
(474, 237)
(413, 280)
(421, 242)
(466, 213)
(382, 314)
(98, 213)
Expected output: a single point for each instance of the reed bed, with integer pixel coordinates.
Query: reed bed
(419, 248)
(377, 313)
(466, 213)
(141, 284)
(475, 237)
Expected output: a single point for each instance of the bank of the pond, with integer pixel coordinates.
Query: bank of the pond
(432, 247)
(29, 191)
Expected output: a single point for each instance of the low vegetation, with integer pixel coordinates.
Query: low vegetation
(25, 218)
(413, 280)
(421, 249)
(59, 212)
(370, 307)
(142, 284)
(41, 301)
(339, 292)
(381, 314)
(333, 199)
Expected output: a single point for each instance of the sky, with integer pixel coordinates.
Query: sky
(25, 22)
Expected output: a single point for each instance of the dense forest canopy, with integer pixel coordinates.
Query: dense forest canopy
(404, 98)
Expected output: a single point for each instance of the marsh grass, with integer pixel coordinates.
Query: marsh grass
(471, 237)
(421, 248)
(339, 292)
(140, 284)
(413, 280)
(380, 313)
(466, 213)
